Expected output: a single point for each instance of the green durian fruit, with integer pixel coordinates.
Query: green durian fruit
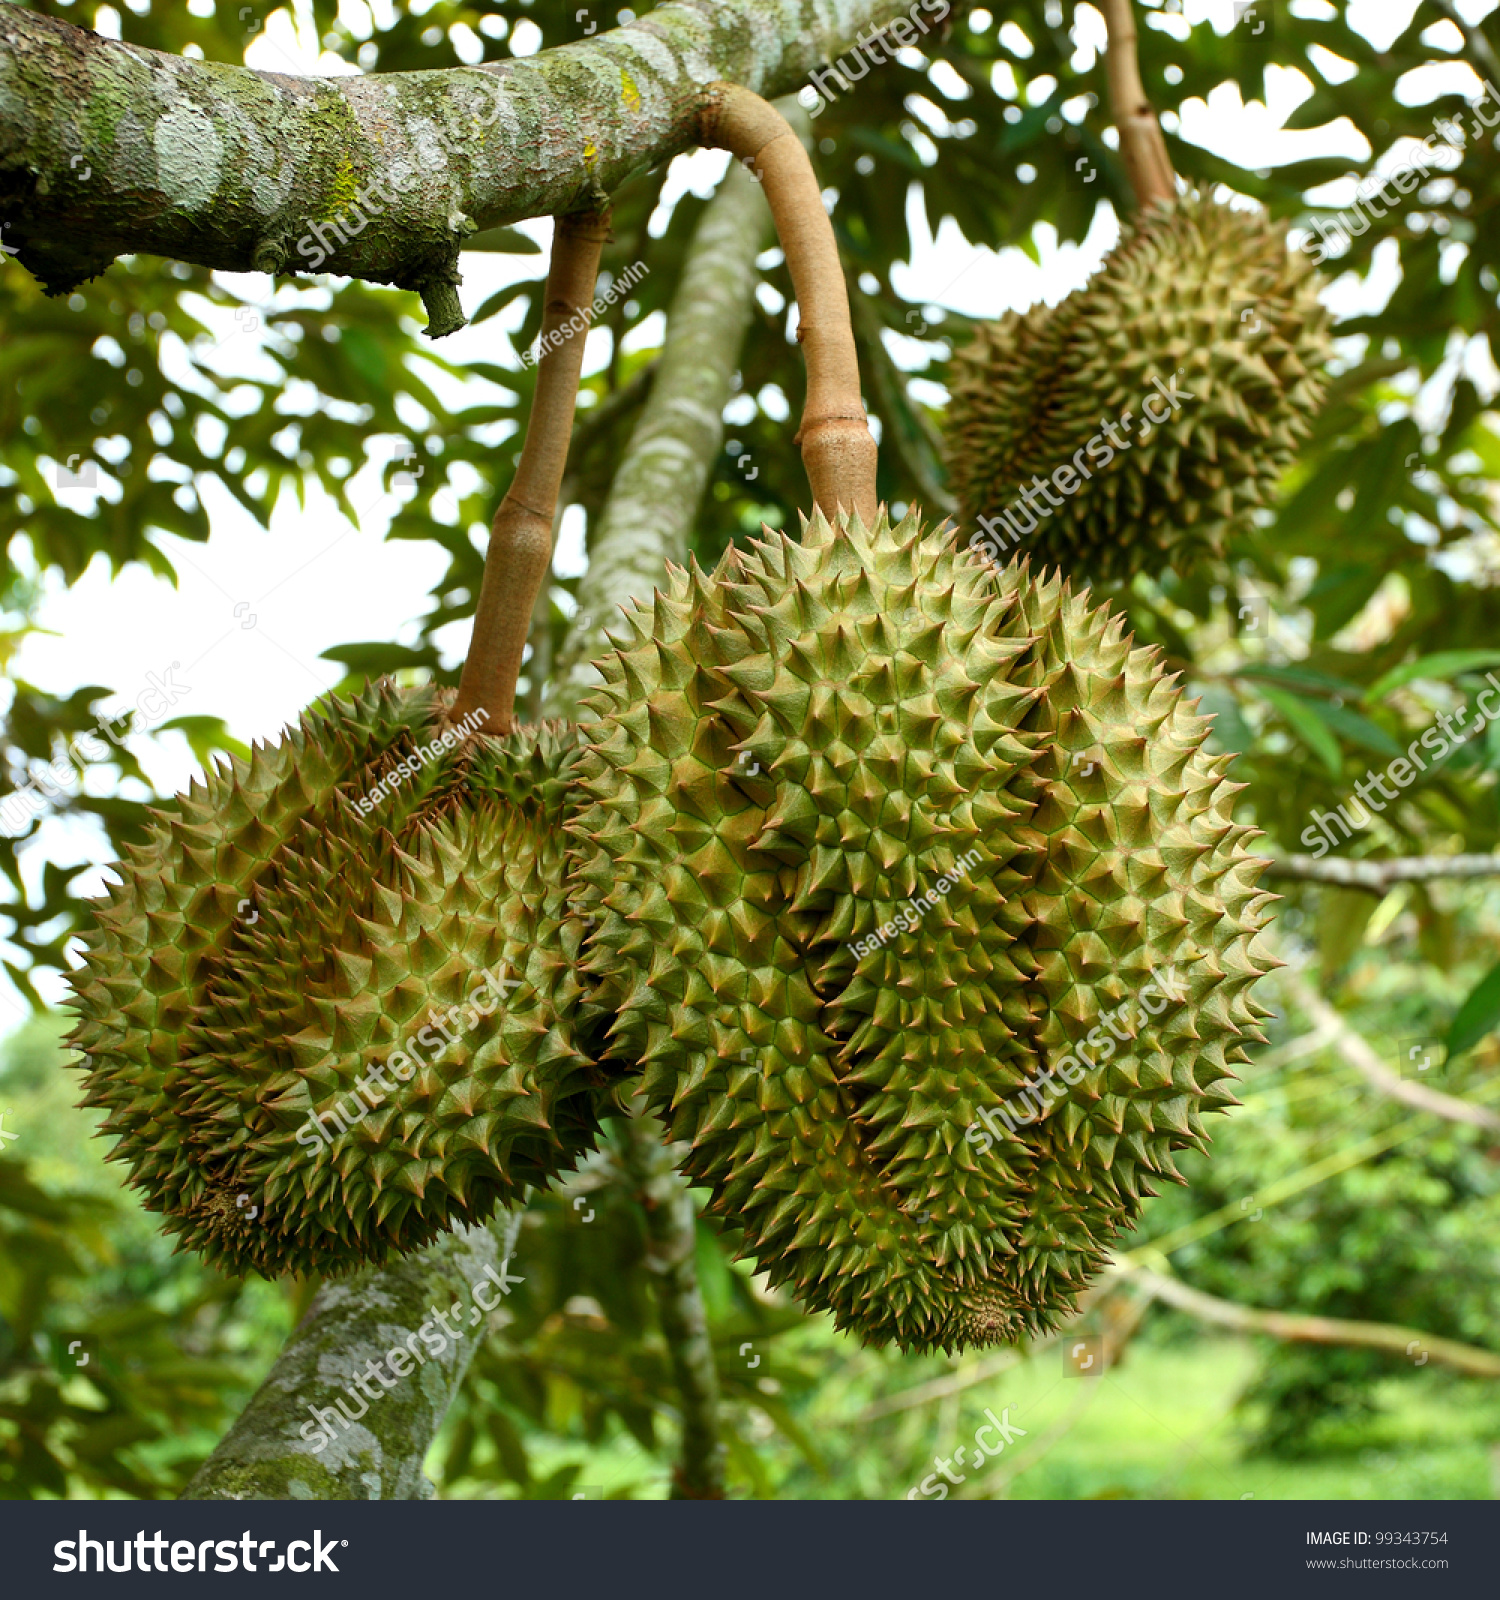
(874, 835)
(1201, 311)
(269, 945)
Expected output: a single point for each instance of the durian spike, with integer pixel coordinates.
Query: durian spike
(1142, 147)
(520, 552)
(838, 450)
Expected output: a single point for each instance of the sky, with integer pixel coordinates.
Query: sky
(244, 627)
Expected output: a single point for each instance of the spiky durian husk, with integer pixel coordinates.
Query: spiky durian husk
(907, 708)
(267, 944)
(1208, 299)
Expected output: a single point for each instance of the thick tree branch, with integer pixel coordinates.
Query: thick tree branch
(671, 1235)
(1379, 876)
(1358, 1052)
(108, 149)
(1409, 1342)
(268, 1454)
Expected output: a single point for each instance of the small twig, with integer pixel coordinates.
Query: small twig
(943, 1388)
(1142, 147)
(1360, 1054)
(1466, 1358)
(1379, 876)
(520, 553)
(838, 449)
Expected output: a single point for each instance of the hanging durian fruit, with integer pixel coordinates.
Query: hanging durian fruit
(1148, 416)
(331, 1008)
(877, 837)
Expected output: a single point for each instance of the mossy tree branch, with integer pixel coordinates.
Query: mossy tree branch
(1362, 1056)
(108, 149)
(268, 1454)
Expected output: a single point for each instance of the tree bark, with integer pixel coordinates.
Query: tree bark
(107, 148)
(1360, 1054)
(657, 490)
(1412, 1343)
(267, 1456)
(1380, 876)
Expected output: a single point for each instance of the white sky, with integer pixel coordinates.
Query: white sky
(316, 580)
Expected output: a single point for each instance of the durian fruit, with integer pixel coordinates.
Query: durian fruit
(269, 945)
(875, 836)
(1201, 318)
(332, 1006)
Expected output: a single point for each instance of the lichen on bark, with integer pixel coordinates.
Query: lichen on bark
(269, 1454)
(237, 169)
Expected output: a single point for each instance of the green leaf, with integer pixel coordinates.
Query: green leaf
(503, 242)
(1302, 717)
(1440, 667)
(1357, 729)
(1476, 1016)
(1301, 678)
(375, 657)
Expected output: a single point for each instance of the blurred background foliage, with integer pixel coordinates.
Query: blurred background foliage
(1364, 605)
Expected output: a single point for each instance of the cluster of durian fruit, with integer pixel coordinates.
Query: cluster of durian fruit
(717, 889)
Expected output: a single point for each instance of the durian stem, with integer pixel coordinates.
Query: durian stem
(1142, 147)
(838, 450)
(520, 553)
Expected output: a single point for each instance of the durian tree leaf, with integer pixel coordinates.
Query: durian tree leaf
(1301, 677)
(1306, 721)
(377, 658)
(1438, 668)
(208, 736)
(503, 241)
(1478, 1016)
(1340, 594)
(1343, 915)
(1357, 729)
(501, 298)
